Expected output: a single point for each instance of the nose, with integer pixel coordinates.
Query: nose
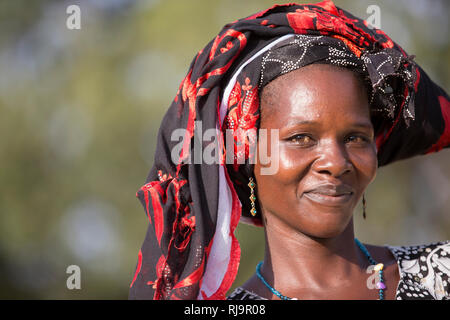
(333, 159)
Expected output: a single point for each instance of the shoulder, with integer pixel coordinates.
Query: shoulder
(426, 265)
(433, 252)
(242, 294)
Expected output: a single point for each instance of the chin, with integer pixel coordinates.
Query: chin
(327, 234)
(327, 225)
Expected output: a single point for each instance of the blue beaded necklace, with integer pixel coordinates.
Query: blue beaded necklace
(378, 267)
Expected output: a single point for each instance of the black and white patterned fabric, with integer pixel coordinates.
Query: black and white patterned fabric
(424, 273)
(376, 69)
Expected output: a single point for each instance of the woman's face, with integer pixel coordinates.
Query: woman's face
(327, 153)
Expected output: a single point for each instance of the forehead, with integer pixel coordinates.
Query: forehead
(315, 92)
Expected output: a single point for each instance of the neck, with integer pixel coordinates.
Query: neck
(295, 261)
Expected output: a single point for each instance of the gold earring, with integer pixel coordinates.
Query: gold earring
(252, 186)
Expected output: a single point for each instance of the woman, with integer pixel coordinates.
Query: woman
(337, 99)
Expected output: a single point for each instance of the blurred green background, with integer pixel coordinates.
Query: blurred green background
(79, 114)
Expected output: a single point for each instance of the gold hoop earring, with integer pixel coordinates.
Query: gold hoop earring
(252, 186)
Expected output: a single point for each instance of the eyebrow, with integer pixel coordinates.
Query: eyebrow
(364, 125)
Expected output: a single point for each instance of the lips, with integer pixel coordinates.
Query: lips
(330, 194)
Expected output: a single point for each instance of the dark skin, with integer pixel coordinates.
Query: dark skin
(325, 136)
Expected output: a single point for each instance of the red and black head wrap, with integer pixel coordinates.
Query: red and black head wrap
(193, 207)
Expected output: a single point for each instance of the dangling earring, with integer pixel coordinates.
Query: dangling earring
(364, 206)
(252, 186)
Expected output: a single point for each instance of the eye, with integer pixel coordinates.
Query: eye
(301, 139)
(356, 138)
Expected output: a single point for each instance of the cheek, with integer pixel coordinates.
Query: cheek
(292, 167)
(366, 164)
(293, 164)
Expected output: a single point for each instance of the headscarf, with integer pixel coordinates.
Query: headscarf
(190, 250)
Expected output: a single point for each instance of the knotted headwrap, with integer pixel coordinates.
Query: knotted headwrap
(193, 208)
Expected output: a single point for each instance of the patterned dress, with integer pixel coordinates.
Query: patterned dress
(424, 273)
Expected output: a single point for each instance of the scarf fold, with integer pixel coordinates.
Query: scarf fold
(193, 207)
